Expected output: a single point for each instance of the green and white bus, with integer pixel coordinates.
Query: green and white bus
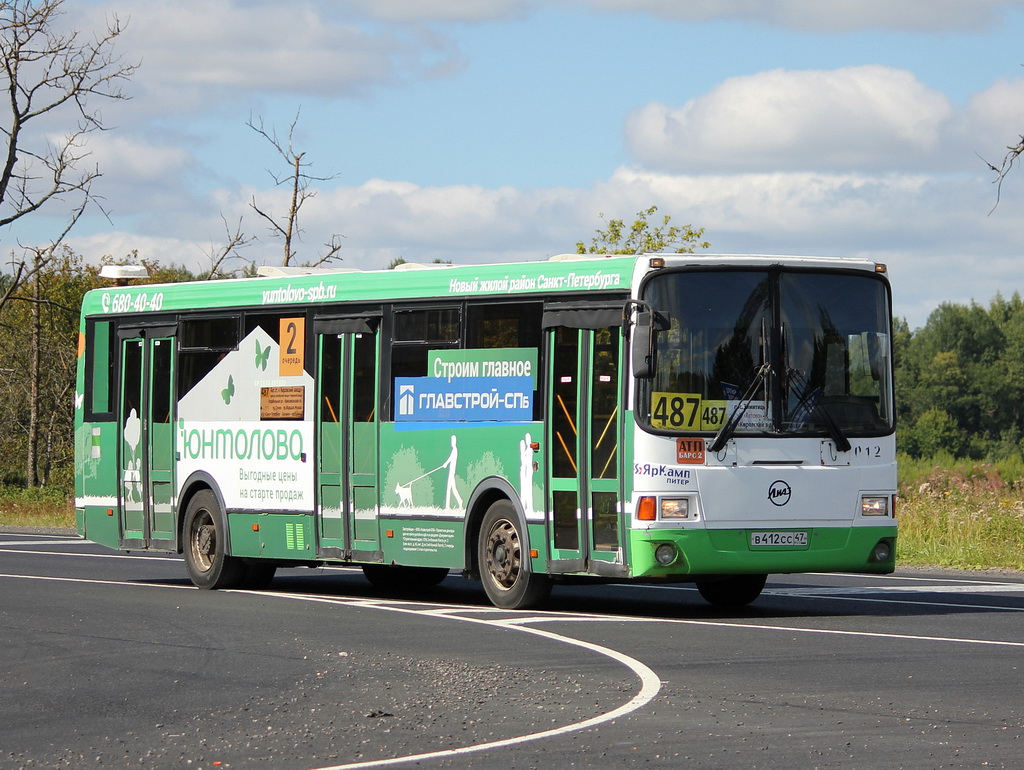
(661, 418)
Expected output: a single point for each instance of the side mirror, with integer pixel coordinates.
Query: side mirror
(646, 322)
(645, 330)
(878, 351)
(643, 346)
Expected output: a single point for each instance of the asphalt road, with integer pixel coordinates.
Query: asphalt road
(114, 660)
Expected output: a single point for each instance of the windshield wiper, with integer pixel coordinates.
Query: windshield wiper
(834, 431)
(726, 431)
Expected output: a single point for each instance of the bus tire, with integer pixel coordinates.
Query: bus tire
(412, 578)
(208, 565)
(732, 591)
(505, 572)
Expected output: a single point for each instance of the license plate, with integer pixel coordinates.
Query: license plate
(778, 539)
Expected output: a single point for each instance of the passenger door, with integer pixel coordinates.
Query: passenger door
(584, 457)
(347, 442)
(146, 439)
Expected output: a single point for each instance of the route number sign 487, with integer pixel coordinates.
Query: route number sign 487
(687, 411)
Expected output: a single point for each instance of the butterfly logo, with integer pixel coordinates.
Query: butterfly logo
(229, 391)
(262, 354)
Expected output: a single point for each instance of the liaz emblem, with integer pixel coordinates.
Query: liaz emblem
(779, 493)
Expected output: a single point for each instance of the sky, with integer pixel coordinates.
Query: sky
(507, 130)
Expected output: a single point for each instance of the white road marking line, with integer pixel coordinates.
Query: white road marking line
(894, 576)
(133, 555)
(98, 581)
(971, 588)
(918, 579)
(923, 603)
(650, 682)
(650, 687)
(66, 541)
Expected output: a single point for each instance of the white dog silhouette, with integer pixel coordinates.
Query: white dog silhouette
(404, 495)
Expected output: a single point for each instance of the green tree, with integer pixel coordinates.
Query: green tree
(38, 347)
(935, 431)
(644, 237)
(967, 362)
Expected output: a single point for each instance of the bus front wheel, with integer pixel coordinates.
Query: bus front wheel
(504, 568)
(732, 591)
(208, 565)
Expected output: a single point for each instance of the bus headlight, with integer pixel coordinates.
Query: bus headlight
(675, 508)
(665, 554)
(873, 505)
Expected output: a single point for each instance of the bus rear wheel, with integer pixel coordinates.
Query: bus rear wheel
(732, 591)
(506, 574)
(208, 564)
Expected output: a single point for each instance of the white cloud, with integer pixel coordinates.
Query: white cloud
(131, 161)
(195, 51)
(124, 246)
(868, 117)
(834, 16)
(995, 118)
(829, 16)
(440, 10)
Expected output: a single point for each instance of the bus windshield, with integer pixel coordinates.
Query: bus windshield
(781, 352)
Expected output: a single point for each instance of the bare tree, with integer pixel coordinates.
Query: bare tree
(1013, 153)
(222, 255)
(299, 181)
(47, 70)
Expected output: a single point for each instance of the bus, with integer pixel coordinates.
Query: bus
(658, 418)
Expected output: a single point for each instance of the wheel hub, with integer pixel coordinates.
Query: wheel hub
(503, 560)
(204, 539)
(204, 542)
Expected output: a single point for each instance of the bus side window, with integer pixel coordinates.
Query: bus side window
(507, 325)
(364, 371)
(414, 334)
(287, 329)
(99, 369)
(203, 342)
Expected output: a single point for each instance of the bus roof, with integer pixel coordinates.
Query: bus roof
(565, 276)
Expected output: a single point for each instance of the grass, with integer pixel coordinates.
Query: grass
(48, 507)
(961, 515)
(951, 513)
